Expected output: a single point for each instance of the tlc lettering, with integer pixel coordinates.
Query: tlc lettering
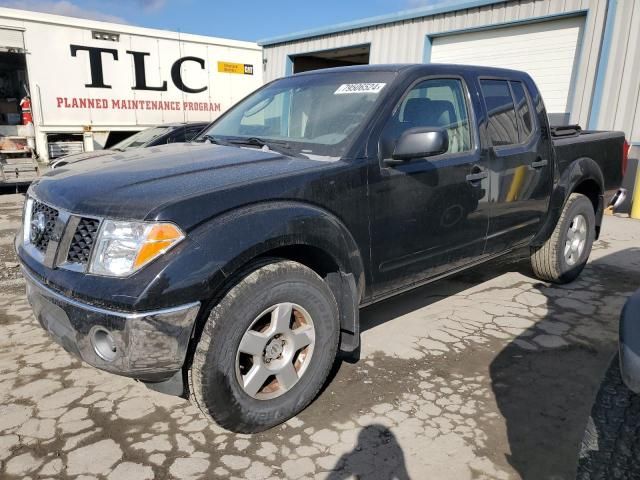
(97, 54)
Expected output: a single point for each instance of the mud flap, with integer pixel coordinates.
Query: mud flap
(344, 289)
(174, 386)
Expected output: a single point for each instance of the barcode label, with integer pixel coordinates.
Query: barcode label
(359, 88)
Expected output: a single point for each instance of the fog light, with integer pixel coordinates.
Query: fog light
(104, 344)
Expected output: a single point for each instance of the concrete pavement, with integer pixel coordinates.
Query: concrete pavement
(489, 374)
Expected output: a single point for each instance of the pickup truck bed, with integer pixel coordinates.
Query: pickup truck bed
(601, 146)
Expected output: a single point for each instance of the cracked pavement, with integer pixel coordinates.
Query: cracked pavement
(488, 374)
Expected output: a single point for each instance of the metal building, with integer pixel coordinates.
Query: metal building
(581, 53)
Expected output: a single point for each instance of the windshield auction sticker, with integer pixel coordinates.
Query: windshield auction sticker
(359, 88)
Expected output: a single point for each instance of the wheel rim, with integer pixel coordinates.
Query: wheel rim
(576, 240)
(275, 351)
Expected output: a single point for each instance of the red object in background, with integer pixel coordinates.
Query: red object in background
(25, 106)
(625, 157)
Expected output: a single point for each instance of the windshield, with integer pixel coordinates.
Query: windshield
(311, 114)
(141, 138)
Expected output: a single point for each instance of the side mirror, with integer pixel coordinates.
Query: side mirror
(419, 143)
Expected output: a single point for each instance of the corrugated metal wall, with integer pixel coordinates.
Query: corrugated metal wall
(404, 41)
(620, 107)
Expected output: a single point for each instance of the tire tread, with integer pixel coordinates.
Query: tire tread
(196, 372)
(545, 259)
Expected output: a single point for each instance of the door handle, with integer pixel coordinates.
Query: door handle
(539, 163)
(477, 174)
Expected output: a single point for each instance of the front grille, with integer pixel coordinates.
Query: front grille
(43, 219)
(83, 239)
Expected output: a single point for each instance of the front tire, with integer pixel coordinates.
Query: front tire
(266, 348)
(610, 449)
(565, 253)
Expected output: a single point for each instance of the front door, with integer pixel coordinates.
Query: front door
(429, 215)
(520, 165)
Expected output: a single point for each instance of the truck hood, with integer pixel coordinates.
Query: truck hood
(130, 185)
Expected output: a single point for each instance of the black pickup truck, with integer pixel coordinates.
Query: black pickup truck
(230, 270)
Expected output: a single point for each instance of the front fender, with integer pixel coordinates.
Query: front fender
(233, 239)
(576, 172)
(630, 343)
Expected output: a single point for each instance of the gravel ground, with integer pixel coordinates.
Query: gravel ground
(489, 374)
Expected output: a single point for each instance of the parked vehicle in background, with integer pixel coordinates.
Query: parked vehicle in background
(71, 85)
(231, 271)
(611, 445)
(150, 137)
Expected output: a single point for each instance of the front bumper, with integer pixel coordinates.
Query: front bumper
(630, 343)
(150, 346)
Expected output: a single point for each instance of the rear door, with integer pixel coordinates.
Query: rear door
(429, 215)
(520, 164)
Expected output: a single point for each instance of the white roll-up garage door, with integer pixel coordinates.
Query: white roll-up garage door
(547, 50)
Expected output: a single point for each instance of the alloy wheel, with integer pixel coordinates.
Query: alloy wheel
(275, 351)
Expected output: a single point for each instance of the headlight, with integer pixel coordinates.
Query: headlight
(124, 247)
(26, 220)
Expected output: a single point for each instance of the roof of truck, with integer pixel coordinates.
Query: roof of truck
(427, 67)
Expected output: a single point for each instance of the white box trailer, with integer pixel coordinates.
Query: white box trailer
(91, 81)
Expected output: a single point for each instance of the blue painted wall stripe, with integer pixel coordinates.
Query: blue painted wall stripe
(603, 62)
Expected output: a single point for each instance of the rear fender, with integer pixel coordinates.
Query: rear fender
(573, 175)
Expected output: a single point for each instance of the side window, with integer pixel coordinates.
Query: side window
(177, 136)
(503, 129)
(523, 110)
(438, 103)
(191, 133)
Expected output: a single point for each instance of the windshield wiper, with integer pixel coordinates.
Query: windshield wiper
(275, 145)
(215, 140)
